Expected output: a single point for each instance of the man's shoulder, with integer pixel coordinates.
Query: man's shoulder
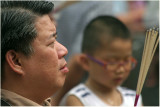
(4, 103)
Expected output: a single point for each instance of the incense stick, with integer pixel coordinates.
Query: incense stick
(150, 45)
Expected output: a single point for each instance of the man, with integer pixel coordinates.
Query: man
(33, 64)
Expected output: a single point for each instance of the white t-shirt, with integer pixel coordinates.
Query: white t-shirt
(88, 98)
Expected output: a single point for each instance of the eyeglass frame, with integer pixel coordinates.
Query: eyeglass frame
(104, 64)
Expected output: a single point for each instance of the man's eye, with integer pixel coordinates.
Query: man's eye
(52, 44)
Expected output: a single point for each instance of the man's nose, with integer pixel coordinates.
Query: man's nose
(62, 50)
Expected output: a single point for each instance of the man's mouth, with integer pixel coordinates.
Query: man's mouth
(64, 69)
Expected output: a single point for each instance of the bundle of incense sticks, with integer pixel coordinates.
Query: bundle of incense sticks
(150, 45)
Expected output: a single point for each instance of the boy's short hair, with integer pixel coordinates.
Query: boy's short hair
(102, 28)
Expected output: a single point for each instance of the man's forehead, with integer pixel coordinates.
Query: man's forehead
(44, 22)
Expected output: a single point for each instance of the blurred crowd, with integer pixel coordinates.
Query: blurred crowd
(72, 17)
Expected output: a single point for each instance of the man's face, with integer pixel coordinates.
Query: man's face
(46, 68)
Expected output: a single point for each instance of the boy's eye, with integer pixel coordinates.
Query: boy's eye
(111, 60)
(127, 59)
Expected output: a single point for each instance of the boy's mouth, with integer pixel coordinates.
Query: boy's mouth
(118, 80)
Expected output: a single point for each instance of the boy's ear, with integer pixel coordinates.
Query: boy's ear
(84, 61)
(14, 60)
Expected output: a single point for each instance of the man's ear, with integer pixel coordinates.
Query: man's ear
(14, 60)
(84, 61)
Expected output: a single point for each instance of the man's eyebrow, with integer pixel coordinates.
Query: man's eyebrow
(53, 35)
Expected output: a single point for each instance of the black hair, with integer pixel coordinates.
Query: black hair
(17, 32)
(39, 7)
(18, 25)
(102, 28)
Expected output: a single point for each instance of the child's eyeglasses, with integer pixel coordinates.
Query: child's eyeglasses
(129, 64)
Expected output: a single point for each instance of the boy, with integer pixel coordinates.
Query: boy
(107, 56)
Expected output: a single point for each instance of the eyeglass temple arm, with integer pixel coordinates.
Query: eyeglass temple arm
(90, 57)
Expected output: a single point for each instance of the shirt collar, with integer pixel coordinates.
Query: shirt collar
(18, 100)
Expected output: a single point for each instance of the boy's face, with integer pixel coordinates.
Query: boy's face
(119, 51)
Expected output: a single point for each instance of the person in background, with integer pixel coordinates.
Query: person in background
(107, 56)
(33, 67)
(150, 90)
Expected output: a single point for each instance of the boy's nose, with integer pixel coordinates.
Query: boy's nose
(120, 69)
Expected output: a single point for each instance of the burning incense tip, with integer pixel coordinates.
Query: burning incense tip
(136, 100)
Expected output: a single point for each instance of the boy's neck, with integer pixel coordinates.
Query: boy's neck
(94, 86)
(110, 96)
